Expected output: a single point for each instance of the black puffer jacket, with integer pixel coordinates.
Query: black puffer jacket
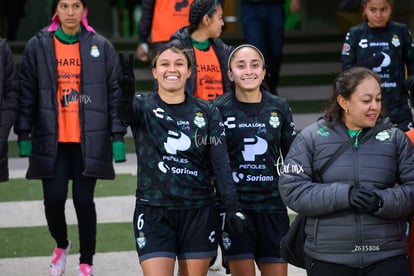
(265, 2)
(221, 49)
(383, 162)
(145, 22)
(38, 115)
(8, 103)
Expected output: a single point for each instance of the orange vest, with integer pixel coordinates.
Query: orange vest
(169, 16)
(68, 95)
(410, 135)
(209, 83)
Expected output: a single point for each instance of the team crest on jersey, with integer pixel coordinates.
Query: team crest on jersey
(95, 51)
(395, 41)
(274, 120)
(322, 131)
(346, 48)
(383, 135)
(226, 240)
(141, 240)
(199, 120)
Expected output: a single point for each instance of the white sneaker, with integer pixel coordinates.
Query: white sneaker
(58, 263)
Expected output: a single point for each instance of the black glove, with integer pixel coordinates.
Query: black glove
(364, 200)
(236, 220)
(410, 84)
(127, 78)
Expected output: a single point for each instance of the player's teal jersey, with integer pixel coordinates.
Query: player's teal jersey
(256, 136)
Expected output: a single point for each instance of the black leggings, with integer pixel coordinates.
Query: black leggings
(55, 191)
(395, 266)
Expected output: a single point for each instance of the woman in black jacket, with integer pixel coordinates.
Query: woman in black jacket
(8, 103)
(68, 122)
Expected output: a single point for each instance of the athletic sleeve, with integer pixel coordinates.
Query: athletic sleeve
(220, 162)
(145, 23)
(288, 129)
(348, 55)
(409, 52)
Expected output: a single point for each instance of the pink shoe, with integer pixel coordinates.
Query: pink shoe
(58, 263)
(85, 270)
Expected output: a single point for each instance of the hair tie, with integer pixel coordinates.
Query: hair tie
(211, 10)
(243, 46)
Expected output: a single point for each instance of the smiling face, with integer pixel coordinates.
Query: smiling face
(171, 70)
(246, 70)
(363, 107)
(377, 12)
(70, 14)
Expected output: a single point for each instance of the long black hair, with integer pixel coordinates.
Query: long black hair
(200, 8)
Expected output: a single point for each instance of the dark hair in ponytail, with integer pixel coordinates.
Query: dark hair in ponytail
(345, 84)
(198, 9)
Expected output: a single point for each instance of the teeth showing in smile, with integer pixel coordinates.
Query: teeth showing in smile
(252, 78)
(171, 77)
